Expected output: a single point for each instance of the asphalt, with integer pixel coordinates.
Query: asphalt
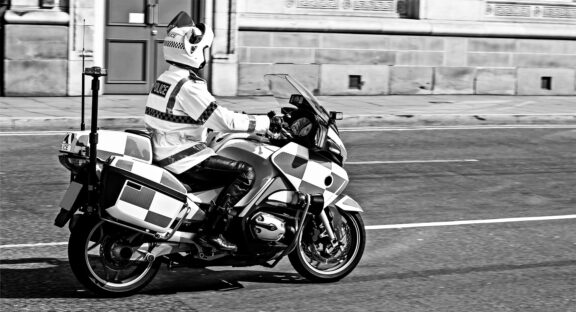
(126, 111)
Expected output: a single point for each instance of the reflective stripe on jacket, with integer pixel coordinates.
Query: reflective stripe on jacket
(179, 112)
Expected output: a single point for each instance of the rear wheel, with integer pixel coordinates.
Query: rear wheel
(104, 258)
(316, 259)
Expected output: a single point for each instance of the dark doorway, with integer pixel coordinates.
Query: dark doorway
(135, 31)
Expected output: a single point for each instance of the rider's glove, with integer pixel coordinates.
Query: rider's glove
(276, 122)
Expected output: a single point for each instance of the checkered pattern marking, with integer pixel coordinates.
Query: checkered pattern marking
(174, 44)
(145, 204)
(207, 113)
(169, 117)
(182, 118)
(149, 172)
(311, 175)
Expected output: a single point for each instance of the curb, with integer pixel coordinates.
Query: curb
(73, 123)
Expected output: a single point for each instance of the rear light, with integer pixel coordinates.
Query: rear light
(72, 163)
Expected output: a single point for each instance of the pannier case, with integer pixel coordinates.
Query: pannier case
(143, 195)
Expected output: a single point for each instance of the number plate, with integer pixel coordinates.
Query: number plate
(66, 147)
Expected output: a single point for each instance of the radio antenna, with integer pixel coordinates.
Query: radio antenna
(82, 125)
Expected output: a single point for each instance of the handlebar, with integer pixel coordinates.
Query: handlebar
(281, 130)
(285, 132)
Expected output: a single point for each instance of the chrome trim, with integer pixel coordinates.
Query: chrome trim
(327, 225)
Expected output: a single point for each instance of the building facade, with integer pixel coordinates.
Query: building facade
(335, 47)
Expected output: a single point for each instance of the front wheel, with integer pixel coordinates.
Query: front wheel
(317, 259)
(105, 258)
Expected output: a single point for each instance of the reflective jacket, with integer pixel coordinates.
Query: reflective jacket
(179, 112)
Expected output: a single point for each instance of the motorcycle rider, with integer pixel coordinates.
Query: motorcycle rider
(179, 112)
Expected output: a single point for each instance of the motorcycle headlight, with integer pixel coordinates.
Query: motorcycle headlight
(333, 147)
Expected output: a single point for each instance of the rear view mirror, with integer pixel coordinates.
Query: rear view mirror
(336, 115)
(296, 99)
(287, 110)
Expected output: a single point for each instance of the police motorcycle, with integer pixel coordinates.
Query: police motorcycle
(127, 216)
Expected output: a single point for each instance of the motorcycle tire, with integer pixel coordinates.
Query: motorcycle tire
(307, 252)
(90, 233)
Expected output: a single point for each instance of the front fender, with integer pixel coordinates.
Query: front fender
(346, 202)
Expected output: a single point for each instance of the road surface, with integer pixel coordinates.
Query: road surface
(458, 219)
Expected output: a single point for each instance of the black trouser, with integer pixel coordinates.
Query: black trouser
(236, 176)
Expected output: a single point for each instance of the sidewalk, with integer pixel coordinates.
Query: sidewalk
(126, 111)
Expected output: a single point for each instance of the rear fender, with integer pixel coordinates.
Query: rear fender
(72, 200)
(346, 202)
(74, 221)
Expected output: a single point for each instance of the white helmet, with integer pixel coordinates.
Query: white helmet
(187, 43)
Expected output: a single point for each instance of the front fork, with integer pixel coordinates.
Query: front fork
(327, 225)
(334, 238)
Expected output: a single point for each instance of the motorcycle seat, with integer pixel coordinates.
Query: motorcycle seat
(191, 182)
(140, 132)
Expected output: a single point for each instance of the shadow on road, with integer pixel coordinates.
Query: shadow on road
(462, 271)
(37, 278)
(53, 278)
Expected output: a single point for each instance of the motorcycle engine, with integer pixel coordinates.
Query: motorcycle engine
(267, 227)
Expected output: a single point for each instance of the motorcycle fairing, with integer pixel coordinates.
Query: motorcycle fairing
(309, 173)
(346, 202)
(284, 197)
(272, 185)
(248, 148)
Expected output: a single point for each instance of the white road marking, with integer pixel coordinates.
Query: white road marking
(34, 245)
(34, 133)
(374, 162)
(499, 127)
(380, 227)
(467, 222)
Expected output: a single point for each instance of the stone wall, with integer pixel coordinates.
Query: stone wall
(35, 49)
(82, 41)
(410, 46)
(393, 64)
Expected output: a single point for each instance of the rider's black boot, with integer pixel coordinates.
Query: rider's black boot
(218, 241)
(215, 224)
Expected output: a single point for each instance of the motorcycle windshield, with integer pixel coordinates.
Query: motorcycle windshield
(283, 87)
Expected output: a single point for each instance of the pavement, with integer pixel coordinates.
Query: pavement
(126, 111)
